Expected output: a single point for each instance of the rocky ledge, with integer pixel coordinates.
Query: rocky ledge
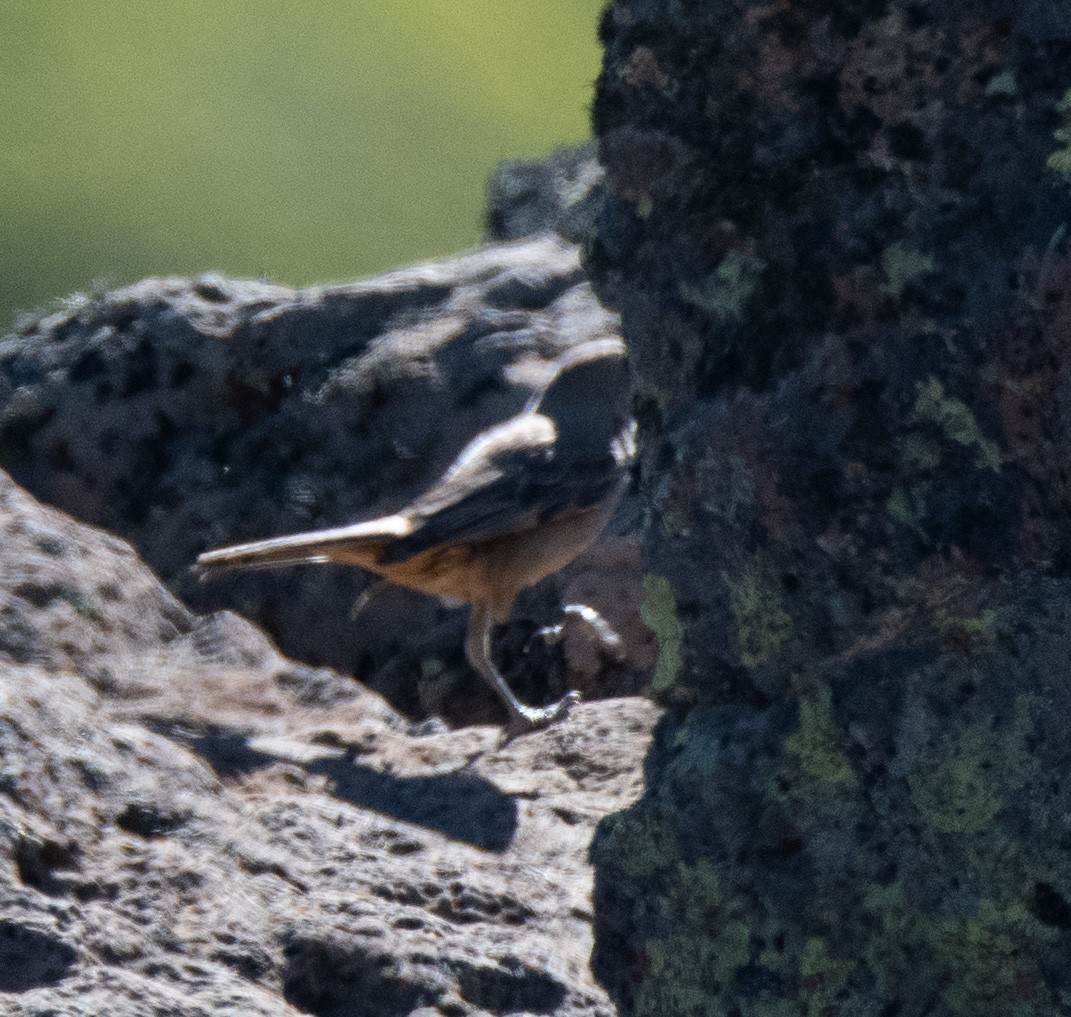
(192, 824)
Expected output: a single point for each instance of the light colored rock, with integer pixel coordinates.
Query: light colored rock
(192, 824)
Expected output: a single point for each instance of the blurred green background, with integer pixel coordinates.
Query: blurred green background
(304, 142)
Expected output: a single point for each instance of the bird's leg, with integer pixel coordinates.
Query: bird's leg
(364, 598)
(478, 650)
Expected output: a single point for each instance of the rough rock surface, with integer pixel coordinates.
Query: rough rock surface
(185, 414)
(191, 824)
(837, 237)
(561, 194)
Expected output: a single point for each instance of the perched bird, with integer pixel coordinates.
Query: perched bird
(521, 500)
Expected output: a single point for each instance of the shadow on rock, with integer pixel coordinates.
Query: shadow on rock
(31, 958)
(462, 806)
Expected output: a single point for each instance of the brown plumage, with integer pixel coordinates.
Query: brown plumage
(521, 501)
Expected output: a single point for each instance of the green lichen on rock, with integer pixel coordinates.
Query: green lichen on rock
(659, 613)
(727, 292)
(815, 743)
(956, 422)
(988, 970)
(698, 887)
(967, 633)
(689, 968)
(907, 506)
(907, 828)
(762, 623)
(1060, 160)
(672, 507)
(642, 844)
(1004, 84)
(902, 265)
(937, 425)
(980, 956)
(963, 777)
(865, 454)
(725, 485)
(919, 454)
(950, 787)
(821, 976)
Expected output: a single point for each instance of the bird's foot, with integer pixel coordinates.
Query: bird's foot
(531, 718)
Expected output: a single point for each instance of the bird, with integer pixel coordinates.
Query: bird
(520, 501)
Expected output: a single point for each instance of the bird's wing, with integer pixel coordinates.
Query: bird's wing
(508, 480)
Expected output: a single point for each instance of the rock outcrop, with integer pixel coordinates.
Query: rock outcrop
(185, 414)
(836, 234)
(191, 824)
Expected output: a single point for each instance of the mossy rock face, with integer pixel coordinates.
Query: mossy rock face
(894, 835)
(837, 236)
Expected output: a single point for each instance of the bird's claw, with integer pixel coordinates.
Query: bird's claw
(533, 718)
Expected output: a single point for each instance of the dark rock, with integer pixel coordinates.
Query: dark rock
(560, 194)
(836, 237)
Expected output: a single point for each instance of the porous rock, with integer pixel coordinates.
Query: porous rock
(836, 234)
(191, 824)
(184, 414)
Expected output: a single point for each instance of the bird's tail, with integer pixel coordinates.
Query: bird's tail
(359, 544)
